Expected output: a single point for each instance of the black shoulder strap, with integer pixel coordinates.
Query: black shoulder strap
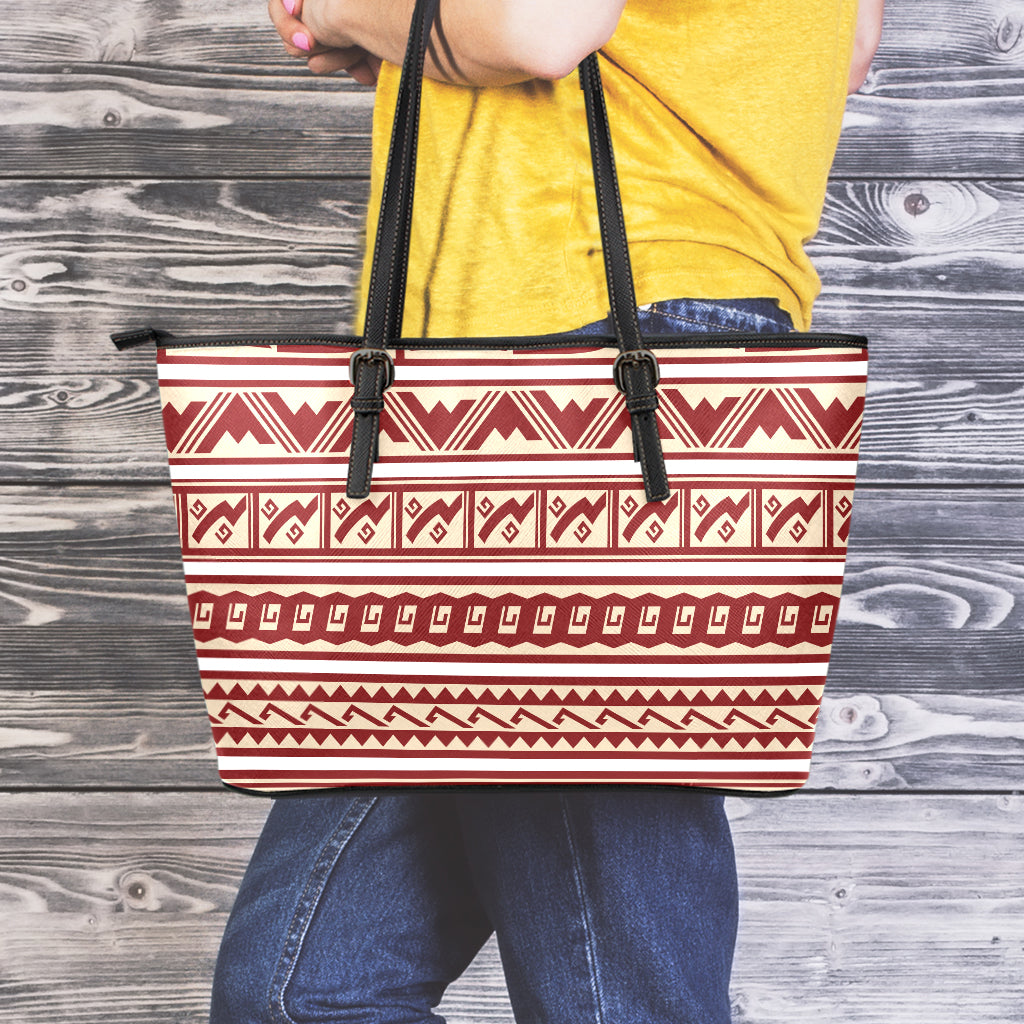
(635, 369)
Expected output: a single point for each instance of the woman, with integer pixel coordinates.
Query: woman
(615, 903)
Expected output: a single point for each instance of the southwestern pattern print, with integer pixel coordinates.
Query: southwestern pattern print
(505, 605)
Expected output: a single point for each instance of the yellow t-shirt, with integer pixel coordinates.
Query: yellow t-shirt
(725, 116)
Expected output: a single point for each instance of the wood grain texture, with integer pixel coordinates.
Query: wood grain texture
(876, 909)
(116, 891)
(883, 885)
(119, 120)
(911, 338)
(80, 259)
(165, 33)
(939, 34)
(959, 123)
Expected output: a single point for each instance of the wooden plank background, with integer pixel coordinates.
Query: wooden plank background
(164, 161)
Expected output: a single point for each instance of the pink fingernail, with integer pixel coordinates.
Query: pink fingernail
(301, 40)
(289, 6)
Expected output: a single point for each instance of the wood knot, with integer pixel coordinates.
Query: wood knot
(916, 204)
(19, 285)
(1008, 34)
(138, 891)
(111, 118)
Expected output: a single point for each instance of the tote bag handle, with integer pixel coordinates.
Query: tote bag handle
(635, 370)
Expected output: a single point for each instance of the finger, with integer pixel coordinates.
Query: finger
(363, 73)
(297, 38)
(283, 20)
(303, 45)
(352, 59)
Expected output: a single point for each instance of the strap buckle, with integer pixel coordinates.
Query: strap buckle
(639, 355)
(373, 355)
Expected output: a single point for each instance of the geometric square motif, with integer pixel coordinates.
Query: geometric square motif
(579, 619)
(792, 517)
(372, 616)
(202, 617)
(405, 619)
(504, 520)
(647, 526)
(683, 621)
(719, 620)
(236, 615)
(337, 618)
(475, 616)
(577, 520)
(545, 619)
(842, 507)
(433, 520)
(215, 521)
(288, 521)
(721, 518)
(303, 618)
(509, 621)
(822, 621)
(614, 618)
(440, 618)
(788, 616)
(361, 525)
(649, 620)
(753, 618)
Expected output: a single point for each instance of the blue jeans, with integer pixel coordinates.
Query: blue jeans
(611, 904)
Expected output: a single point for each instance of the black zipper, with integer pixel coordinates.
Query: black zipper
(164, 339)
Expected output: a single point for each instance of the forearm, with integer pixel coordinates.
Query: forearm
(478, 42)
(868, 35)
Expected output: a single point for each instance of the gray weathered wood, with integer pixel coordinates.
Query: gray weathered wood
(846, 908)
(878, 876)
(168, 33)
(120, 120)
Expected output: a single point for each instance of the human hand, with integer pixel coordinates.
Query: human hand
(324, 49)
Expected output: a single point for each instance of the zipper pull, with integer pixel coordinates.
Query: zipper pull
(143, 336)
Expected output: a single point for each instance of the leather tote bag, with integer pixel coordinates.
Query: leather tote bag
(423, 562)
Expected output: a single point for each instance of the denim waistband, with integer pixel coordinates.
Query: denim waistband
(682, 316)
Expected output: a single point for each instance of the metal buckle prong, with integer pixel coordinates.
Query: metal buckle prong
(640, 355)
(370, 355)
